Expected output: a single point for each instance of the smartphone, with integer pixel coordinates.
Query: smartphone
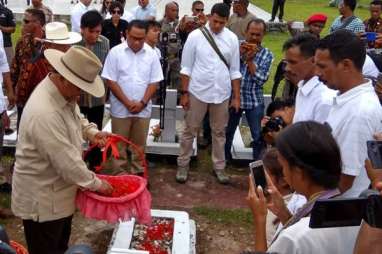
(371, 36)
(191, 19)
(338, 212)
(256, 169)
(374, 152)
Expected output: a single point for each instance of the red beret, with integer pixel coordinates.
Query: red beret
(317, 18)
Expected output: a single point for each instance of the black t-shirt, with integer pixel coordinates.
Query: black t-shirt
(114, 33)
(7, 19)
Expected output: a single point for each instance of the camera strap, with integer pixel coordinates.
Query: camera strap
(213, 44)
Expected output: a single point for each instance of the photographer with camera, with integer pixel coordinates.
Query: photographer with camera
(190, 23)
(255, 65)
(279, 114)
(301, 149)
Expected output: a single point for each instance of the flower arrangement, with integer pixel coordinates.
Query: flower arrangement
(156, 132)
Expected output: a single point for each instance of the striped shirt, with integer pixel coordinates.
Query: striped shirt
(100, 49)
(355, 26)
(251, 89)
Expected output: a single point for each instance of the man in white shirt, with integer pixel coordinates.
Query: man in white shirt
(207, 82)
(132, 71)
(144, 10)
(78, 10)
(356, 113)
(313, 99)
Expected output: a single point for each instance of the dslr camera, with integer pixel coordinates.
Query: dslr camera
(273, 125)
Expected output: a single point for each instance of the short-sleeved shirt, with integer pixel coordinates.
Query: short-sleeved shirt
(133, 72)
(355, 117)
(114, 33)
(75, 17)
(355, 26)
(144, 13)
(313, 101)
(7, 19)
(238, 25)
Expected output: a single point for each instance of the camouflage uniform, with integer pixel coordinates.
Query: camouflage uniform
(173, 52)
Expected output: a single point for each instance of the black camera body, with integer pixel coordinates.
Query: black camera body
(273, 125)
(345, 212)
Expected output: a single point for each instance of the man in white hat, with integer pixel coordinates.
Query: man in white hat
(28, 70)
(49, 168)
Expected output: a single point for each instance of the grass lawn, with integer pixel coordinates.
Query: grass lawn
(300, 10)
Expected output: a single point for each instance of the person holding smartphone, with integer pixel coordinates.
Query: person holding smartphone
(301, 148)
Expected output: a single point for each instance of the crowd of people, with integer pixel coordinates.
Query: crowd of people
(312, 140)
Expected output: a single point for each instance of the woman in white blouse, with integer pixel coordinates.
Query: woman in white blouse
(311, 162)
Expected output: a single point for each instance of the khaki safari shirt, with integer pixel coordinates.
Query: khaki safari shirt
(49, 166)
(238, 25)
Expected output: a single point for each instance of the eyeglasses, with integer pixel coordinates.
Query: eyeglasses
(115, 12)
(199, 10)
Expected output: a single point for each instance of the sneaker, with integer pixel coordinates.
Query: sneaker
(222, 177)
(181, 175)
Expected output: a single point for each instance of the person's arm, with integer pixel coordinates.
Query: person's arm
(10, 26)
(117, 91)
(8, 29)
(188, 60)
(68, 162)
(258, 205)
(235, 75)
(9, 89)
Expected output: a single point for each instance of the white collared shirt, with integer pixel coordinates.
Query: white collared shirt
(369, 68)
(313, 101)
(4, 67)
(354, 118)
(133, 72)
(210, 79)
(75, 19)
(144, 13)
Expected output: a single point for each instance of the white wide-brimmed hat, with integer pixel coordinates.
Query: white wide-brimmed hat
(58, 33)
(80, 67)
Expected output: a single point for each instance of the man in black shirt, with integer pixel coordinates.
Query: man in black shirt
(115, 28)
(7, 26)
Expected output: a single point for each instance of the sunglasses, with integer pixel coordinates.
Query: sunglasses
(115, 12)
(199, 10)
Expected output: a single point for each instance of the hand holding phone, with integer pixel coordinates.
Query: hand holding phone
(257, 173)
(374, 152)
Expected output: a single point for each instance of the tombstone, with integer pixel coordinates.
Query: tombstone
(168, 143)
(183, 241)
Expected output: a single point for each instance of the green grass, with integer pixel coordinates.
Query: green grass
(300, 10)
(239, 217)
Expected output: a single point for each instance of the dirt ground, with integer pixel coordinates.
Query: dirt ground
(223, 221)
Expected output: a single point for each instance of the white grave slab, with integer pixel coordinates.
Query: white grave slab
(183, 238)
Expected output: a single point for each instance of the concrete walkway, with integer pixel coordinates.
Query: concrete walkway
(63, 7)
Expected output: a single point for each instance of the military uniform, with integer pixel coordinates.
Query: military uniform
(173, 52)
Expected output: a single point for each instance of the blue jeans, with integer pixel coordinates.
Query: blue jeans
(254, 117)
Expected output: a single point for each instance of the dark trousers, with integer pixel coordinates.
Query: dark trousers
(276, 5)
(49, 237)
(254, 117)
(94, 115)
